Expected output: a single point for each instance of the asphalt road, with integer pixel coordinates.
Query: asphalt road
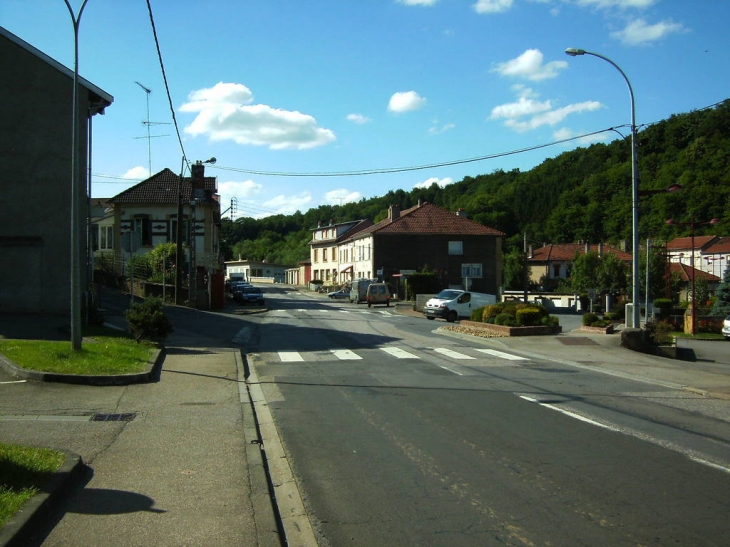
(400, 436)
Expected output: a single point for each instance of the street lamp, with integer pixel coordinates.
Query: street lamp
(635, 315)
(692, 224)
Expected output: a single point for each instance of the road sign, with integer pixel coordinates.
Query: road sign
(131, 242)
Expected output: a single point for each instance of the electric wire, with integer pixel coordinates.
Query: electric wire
(167, 87)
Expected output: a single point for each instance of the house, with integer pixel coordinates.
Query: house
(151, 209)
(256, 271)
(301, 274)
(37, 262)
(464, 253)
(687, 273)
(330, 263)
(711, 253)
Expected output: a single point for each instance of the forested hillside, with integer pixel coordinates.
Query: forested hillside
(584, 194)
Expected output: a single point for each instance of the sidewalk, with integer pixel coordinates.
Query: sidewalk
(175, 462)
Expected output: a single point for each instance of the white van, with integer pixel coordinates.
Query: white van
(451, 304)
(359, 290)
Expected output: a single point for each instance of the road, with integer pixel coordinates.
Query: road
(401, 436)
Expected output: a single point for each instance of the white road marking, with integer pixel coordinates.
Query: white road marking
(399, 353)
(14, 382)
(502, 355)
(290, 356)
(345, 355)
(453, 354)
(571, 414)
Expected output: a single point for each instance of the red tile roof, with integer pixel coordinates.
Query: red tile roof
(721, 246)
(565, 252)
(686, 271)
(685, 243)
(429, 219)
(161, 188)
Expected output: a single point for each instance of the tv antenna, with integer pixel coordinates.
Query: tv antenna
(148, 123)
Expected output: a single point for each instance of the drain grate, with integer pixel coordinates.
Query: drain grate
(128, 417)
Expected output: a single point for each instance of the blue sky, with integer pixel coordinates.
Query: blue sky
(344, 86)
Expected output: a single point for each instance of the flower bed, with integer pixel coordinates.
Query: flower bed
(501, 330)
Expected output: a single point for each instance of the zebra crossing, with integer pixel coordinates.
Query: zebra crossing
(460, 354)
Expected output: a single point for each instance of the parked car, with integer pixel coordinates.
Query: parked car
(251, 295)
(726, 328)
(378, 293)
(236, 287)
(342, 293)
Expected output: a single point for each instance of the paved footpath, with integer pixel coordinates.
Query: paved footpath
(184, 470)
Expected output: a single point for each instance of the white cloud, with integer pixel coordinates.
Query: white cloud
(405, 101)
(358, 118)
(492, 6)
(288, 205)
(246, 189)
(638, 32)
(434, 180)
(552, 117)
(437, 128)
(342, 196)
(225, 112)
(565, 133)
(530, 65)
(417, 2)
(523, 107)
(137, 173)
(621, 4)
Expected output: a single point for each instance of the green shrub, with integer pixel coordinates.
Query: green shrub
(477, 314)
(147, 320)
(528, 316)
(490, 312)
(506, 320)
(550, 321)
(664, 307)
(589, 318)
(659, 332)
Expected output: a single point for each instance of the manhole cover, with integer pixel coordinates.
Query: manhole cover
(128, 417)
(577, 341)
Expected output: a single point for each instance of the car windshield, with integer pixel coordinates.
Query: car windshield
(448, 294)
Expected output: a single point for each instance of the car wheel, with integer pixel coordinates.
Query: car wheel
(451, 317)
(387, 304)
(369, 304)
(429, 318)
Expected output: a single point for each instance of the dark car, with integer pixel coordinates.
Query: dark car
(250, 295)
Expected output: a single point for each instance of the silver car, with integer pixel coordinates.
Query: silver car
(726, 328)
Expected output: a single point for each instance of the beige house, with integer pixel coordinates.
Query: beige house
(330, 263)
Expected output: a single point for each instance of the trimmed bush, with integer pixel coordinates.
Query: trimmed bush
(490, 312)
(477, 314)
(147, 320)
(505, 319)
(659, 332)
(589, 319)
(528, 317)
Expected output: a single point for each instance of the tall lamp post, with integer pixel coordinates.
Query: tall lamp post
(692, 224)
(635, 315)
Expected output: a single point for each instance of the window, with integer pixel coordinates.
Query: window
(456, 247)
(142, 225)
(334, 254)
(106, 237)
(471, 270)
(316, 255)
(173, 230)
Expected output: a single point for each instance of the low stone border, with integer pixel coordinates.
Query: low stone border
(596, 330)
(501, 330)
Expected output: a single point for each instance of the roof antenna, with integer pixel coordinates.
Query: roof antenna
(148, 123)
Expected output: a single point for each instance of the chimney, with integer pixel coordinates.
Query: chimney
(420, 202)
(393, 213)
(319, 224)
(530, 254)
(462, 213)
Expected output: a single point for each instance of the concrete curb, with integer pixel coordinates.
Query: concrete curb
(150, 373)
(36, 510)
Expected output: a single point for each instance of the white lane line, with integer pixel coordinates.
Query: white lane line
(571, 414)
(14, 382)
(453, 354)
(400, 353)
(290, 356)
(451, 368)
(502, 355)
(345, 355)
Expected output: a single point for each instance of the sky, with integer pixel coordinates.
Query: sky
(332, 101)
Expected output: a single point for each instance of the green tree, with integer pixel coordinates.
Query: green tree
(612, 275)
(515, 265)
(585, 271)
(162, 259)
(722, 295)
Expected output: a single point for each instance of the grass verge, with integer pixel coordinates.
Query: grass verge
(103, 352)
(23, 472)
